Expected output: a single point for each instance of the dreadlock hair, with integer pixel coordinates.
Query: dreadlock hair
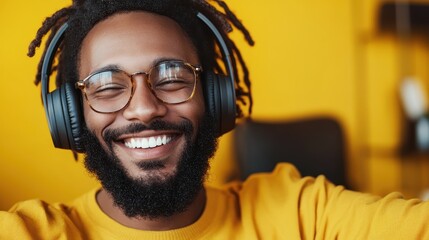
(82, 15)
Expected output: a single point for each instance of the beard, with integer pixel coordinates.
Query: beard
(153, 197)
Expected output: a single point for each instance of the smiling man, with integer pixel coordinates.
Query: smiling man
(141, 92)
(152, 150)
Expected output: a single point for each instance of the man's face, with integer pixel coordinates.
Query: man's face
(135, 42)
(163, 179)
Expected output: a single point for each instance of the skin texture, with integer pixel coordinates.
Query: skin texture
(135, 41)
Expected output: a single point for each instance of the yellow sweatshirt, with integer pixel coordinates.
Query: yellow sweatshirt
(279, 205)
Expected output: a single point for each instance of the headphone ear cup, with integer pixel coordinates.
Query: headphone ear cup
(74, 107)
(211, 97)
(64, 117)
(219, 93)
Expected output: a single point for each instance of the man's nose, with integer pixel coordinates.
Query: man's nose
(144, 106)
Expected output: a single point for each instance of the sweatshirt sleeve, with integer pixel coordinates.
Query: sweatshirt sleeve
(35, 219)
(285, 204)
(351, 215)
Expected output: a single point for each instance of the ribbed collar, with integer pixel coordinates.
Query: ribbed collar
(101, 222)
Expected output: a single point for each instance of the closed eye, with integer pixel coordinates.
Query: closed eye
(109, 91)
(173, 84)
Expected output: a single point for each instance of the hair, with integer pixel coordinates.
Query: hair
(82, 15)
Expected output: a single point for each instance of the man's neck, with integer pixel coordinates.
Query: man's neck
(179, 220)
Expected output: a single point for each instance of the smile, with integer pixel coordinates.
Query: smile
(147, 142)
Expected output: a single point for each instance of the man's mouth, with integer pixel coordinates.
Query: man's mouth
(147, 142)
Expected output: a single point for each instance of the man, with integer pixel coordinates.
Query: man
(149, 125)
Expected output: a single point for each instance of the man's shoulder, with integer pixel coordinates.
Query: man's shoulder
(273, 195)
(284, 172)
(283, 180)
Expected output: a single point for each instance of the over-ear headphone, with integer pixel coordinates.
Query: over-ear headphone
(63, 107)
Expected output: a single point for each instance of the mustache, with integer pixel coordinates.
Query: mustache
(184, 126)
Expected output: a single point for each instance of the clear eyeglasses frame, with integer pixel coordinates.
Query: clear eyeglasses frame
(111, 89)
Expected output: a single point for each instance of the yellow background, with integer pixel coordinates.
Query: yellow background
(311, 58)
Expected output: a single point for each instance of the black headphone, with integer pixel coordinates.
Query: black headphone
(63, 105)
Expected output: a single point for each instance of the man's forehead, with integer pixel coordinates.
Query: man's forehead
(133, 40)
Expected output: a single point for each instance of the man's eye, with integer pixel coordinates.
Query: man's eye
(172, 84)
(110, 90)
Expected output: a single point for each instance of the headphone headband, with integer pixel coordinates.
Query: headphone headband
(47, 66)
(224, 48)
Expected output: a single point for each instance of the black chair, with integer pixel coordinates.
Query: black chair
(314, 145)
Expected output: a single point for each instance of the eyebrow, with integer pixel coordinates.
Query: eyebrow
(164, 59)
(106, 68)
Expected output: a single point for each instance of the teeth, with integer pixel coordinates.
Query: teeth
(150, 142)
(145, 143)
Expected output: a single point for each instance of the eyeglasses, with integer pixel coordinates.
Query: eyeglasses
(110, 90)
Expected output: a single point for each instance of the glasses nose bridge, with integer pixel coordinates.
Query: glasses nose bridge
(146, 83)
(133, 75)
(145, 78)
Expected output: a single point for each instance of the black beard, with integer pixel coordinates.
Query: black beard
(155, 198)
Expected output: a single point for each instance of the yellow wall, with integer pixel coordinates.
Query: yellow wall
(310, 58)
(29, 165)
